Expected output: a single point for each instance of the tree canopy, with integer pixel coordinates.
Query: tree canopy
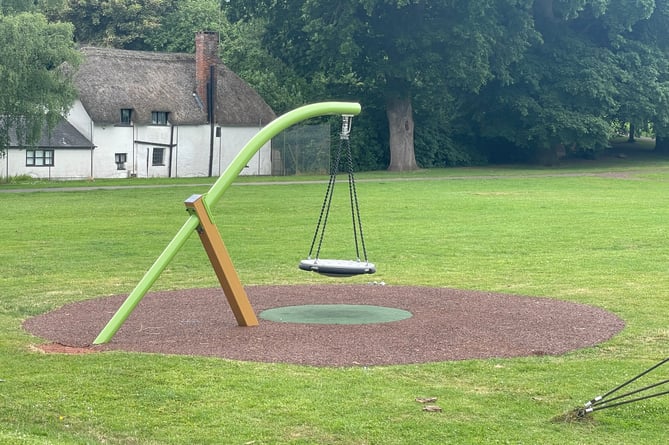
(114, 23)
(598, 63)
(16, 6)
(512, 79)
(36, 60)
(442, 82)
(240, 49)
(392, 50)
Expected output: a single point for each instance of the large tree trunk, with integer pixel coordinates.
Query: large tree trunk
(548, 156)
(662, 144)
(400, 122)
(631, 138)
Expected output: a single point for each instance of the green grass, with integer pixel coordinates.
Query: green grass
(583, 236)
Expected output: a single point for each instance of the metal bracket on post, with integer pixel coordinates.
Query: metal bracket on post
(346, 122)
(221, 262)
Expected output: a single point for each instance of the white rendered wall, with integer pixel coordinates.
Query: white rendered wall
(231, 142)
(110, 140)
(187, 147)
(68, 164)
(190, 157)
(78, 117)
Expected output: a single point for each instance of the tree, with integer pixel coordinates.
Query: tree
(16, 6)
(394, 50)
(593, 66)
(121, 24)
(240, 49)
(653, 37)
(176, 30)
(37, 59)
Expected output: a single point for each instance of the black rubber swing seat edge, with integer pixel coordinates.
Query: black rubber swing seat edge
(337, 268)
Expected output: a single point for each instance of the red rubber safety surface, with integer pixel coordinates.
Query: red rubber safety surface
(447, 324)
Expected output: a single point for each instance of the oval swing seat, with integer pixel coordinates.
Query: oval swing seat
(337, 268)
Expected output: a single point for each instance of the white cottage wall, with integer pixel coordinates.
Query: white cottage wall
(190, 157)
(109, 140)
(187, 147)
(79, 118)
(231, 142)
(13, 163)
(189, 154)
(149, 138)
(75, 163)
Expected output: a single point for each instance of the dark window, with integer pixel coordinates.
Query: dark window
(159, 117)
(121, 159)
(158, 157)
(126, 116)
(39, 158)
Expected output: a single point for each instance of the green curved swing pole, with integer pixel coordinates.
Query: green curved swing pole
(211, 198)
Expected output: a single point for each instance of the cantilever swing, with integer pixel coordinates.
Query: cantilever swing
(199, 221)
(332, 267)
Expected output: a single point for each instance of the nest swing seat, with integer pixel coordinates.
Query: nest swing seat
(334, 267)
(337, 268)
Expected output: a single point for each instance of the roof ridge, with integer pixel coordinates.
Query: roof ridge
(135, 54)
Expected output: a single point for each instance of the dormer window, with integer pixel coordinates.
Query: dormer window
(159, 117)
(126, 116)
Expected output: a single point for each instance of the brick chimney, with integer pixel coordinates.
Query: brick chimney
(206, 55)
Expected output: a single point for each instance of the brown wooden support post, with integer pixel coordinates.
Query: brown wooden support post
(222, 263)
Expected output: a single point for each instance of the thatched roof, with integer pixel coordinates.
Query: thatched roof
(112, 79)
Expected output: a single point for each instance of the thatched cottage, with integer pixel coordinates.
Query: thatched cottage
(147, 114)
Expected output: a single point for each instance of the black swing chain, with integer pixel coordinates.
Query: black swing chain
(344, 143)
(325, 208)
(355, 210)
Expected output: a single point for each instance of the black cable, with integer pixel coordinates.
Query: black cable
(599, 407)
(598, 399)
(636, 391)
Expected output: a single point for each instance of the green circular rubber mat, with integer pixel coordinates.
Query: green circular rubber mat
(334, 314)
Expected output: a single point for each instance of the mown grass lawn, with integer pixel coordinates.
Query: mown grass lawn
(578, 234)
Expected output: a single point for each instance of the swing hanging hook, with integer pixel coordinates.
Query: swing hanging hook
(346, 122)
